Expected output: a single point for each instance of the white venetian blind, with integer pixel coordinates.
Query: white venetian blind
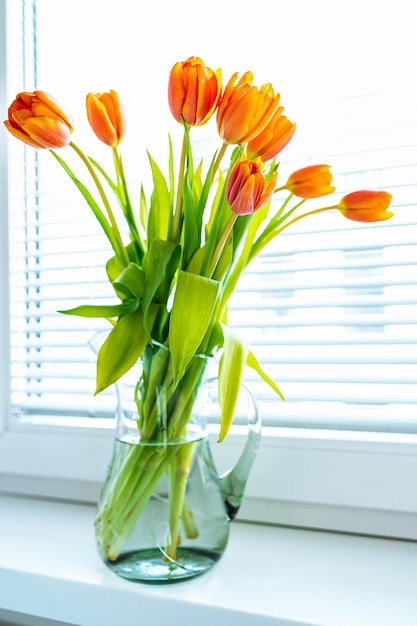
(330, 308)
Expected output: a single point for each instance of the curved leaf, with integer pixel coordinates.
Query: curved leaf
(121, 349)
(112, 310)
(254, 364)
(232, 363)
(130, 282)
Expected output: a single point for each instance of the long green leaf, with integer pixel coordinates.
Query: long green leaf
(90, 201)
(160, 211)
(192, 311)
(192, 227)
(109, 181)
(106, 311)
(232, 363)
(160, 264)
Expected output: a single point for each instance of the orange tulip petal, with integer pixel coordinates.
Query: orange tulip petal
(272, 139)
(50, 132)
(100, 122)
(245, 110)
(366, 206)
(106, 117)
(19, 134)
(246, 190)
(312, 181)
(37, 120)
(54, 107)
(193, 91)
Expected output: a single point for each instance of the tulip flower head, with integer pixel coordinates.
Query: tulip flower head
(312, 181)
(193, 91)
(246, 189)
(272, 139)
(39, 121)
(106, 116)
(245, 110)
(366, 206)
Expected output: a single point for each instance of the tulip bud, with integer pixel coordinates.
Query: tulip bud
(312, 181)
(366, 206)
(193, 91)
(39, 121)
(246, 189)
(106, 116)
(245, 110)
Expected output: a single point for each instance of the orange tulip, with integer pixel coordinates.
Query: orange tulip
(39, 121)
(193, 91)
(245, 110)
(106, 117)
(366, 206)
(246, 189)
(272, 139)
(312, 181)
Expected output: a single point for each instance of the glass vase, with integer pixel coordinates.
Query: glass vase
(164, 511)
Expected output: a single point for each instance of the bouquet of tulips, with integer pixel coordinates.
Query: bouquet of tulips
(190, 240)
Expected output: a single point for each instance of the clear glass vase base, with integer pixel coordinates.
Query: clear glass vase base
(150, 566)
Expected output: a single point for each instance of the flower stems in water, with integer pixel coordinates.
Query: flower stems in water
(179, 472)
(143, 466)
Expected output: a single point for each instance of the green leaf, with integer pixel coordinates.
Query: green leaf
(192, 222)
(143, 209)
(194, 265)
(254, 364)
(130, 282)
(110, 182)
(171, 172)
(160, 211)
(121, 349)
(232, 363)
(202, 192)
(90, 201)
(217, 227)
(113, 268)
(252, 226)
(106, 311)
(160, 264)
(192, 312)
(225, 261)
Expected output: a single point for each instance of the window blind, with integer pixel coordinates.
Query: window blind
(330, 309)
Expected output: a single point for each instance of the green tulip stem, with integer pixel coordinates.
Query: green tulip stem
(188, 521)
(144, 465)
(176, 227)
(119, 248)
(262, 242)
(178, 476)
(220, 245)
(219, 158)
(129, 506)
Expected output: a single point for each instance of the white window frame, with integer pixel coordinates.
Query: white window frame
(345, 481)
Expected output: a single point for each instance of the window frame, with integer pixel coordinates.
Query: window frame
(339, 480)
(343, 481)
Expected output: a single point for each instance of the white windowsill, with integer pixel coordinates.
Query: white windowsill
(269, 575)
